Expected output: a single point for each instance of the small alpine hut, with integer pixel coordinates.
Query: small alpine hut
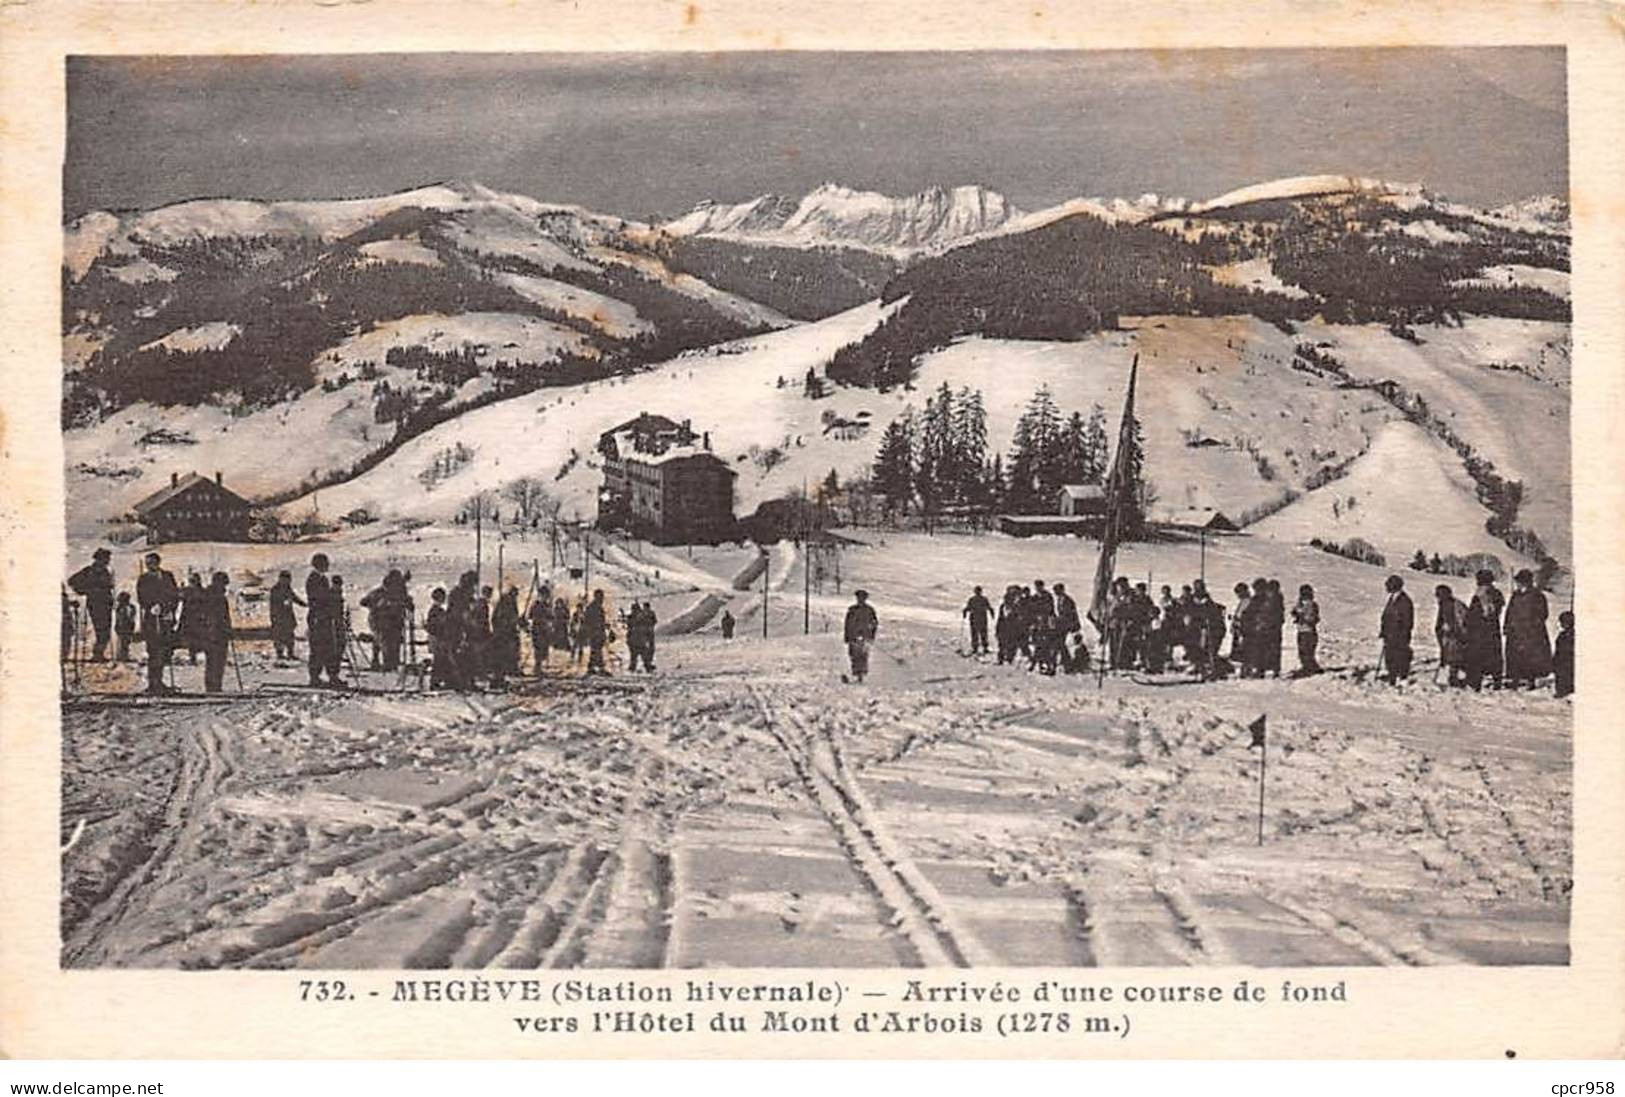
(1080, 501)
(194, 508)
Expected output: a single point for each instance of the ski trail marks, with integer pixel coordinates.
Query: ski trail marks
(917, 911)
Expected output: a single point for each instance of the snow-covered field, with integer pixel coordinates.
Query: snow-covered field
(743, 807)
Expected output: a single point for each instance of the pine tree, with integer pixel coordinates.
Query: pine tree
(1035, 455)
(1096, 446)
(894, 462)
(1072, 461)
(1018, 481)
(1135, 506)
(970, 446)
(937, 460)
(832, 485)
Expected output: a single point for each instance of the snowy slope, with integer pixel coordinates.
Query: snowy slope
(1300, 186)
(90, 236)
(730, 391)
(1502, 386)
(1408, 491)
(1554, 282)
(1227, 382)
(110, 468)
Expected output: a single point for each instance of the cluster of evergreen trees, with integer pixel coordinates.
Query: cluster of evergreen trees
(803, 283)
(939, 459)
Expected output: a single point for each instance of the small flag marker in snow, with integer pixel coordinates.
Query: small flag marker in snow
(1257, 728)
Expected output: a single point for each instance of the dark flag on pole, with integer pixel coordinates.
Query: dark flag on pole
(1121, 482)
(1257, 728)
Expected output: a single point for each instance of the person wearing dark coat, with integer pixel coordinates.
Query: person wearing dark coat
(1256, 644)
(1528, 646)
(1207, 632)
(505, 637)
(1042, 599)
(1274, 625)
(978, 610)
(434, 623)
(578, 630)
(1183, 626)
(560, 625)
(1450, 629)
(214, 631)
(1398, 621)
(1140, 613)
(727, 625)
(1118, 612)
(1007, 625)
(341, 628)
(650, 621)
(124, 625)
(94, 583)
(191, 622)
(1563, 658)
(389, 605)
(159, 597)
(477, 653)
(640, 636)
(1306, 616)
(858, 631)
(595, 632)
(539, 623)
(323, 620)
(283, 598)
(1484, 632)
(457, 629)
(1241, 625)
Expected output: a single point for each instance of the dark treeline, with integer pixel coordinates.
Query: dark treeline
(802, 283)
(938, 461)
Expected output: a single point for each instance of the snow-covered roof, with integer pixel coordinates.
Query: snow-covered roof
(678, 453)
(1083, 491)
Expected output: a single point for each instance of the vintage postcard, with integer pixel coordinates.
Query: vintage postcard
(667, 542)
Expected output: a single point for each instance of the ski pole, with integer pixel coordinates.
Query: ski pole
(231, 643)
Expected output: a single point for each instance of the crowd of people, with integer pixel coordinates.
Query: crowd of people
(475, 634)
(1489, 640)
(472, 639)
(165, 616)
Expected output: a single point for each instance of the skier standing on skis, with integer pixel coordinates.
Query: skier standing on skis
(978, 610)
(859, 633)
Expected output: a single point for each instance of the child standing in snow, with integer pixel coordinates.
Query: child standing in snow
(1563, 657)
(124, 625)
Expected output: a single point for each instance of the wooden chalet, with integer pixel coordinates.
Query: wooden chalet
(194, 508)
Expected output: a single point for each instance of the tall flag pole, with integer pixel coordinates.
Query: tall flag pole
(1119, 483)
(1257, 728)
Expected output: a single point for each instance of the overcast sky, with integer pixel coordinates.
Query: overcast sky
(647, 135)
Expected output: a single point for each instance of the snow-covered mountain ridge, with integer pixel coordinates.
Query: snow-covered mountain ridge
(834, 214)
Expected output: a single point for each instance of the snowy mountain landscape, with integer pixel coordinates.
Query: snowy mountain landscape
(385, 331)
(1351, 372)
